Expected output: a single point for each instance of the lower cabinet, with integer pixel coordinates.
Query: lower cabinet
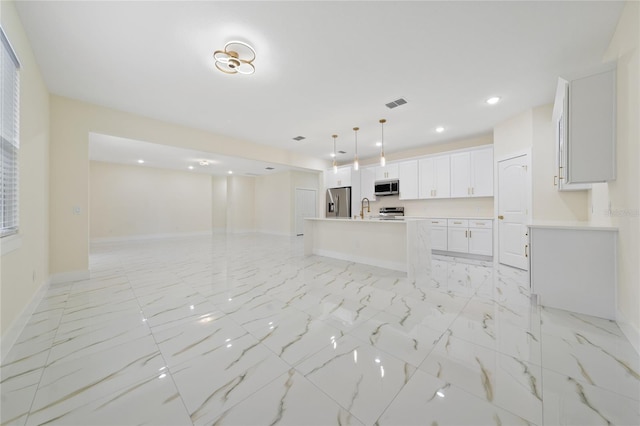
(473, 236)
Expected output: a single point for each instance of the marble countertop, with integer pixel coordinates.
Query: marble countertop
(575, 225)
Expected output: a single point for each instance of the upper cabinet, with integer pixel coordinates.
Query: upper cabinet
(335, 180)
(584, 115)
(472, 173)
(390, 171)
(434, 177)
(408, 177)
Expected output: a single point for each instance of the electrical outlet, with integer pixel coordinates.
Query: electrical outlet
(76, 210)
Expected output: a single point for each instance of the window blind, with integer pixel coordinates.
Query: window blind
(9, 137)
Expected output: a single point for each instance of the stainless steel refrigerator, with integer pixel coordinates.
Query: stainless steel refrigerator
(339, 202)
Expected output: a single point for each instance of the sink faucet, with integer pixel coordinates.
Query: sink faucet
(362, 207)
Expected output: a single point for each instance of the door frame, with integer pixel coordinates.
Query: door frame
(527, 152)
(295, 206)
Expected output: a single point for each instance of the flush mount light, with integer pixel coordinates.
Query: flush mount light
(236, 58)
(493, 100)
(439, 129)
(204, 163)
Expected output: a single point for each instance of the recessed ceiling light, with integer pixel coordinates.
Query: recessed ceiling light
(230, 172)
(439, 129)
(493, 100)
(332, 155)
(190, 167)
(378, 143)
(140, 161)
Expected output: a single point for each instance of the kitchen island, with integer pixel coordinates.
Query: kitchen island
(401, 245)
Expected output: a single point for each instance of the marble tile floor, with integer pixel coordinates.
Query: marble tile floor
(245, 330)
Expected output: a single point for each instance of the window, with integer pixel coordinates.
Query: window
(9, 125)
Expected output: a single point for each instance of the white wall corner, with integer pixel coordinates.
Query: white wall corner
(71, 276)
(12, 334)
(629, 330)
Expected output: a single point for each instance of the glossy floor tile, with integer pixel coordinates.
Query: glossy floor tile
(246, 330)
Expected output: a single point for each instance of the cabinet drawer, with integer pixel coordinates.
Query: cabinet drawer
(438, 222)
(481, 223)
(458, 223)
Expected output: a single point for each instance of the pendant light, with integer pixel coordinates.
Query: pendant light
(355, 158)
(335, 164)
(382, 159)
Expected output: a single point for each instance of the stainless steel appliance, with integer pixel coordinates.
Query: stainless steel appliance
(391, 213)
(387, 187)
(339, 202)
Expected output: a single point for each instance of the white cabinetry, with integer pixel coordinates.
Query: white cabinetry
(584, 114)
(390, 171)
(472, 173)
(335, 180)
(434, 177)
(408, 177)
(367, 183)
(439, 234)
(473, 236)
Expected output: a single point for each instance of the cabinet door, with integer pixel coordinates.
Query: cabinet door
(482, 172)
(335, 180)
(408, 177)
(426, 176)
(439, 238)
(481, 241)
(457, 239)
(442, 187)
(591, 132)
(367, 183)
(460, 174)
(390, 171)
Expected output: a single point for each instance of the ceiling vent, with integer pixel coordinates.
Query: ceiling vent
(342, 152)
(299, 138)
(269, 168)
(396, 103)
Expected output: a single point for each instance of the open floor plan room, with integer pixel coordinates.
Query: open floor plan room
(246, 330)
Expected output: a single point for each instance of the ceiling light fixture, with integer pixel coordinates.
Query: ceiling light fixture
(204, 163)
(493, 100)
(383, 161)
(230, 172)
(335, 165)
(355, 157)
(439, 129)
(190, 167)
(140, 161)
(236, 58)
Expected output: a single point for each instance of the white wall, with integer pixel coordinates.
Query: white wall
(25, 270)
(618, 202)
(240, 204)
(137, 201)
(219, 203)
(273, 203)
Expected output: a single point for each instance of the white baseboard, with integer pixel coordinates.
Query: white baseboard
(66, 277)
(629, 330)
(396, 266)
(15, 329)
(150, 237)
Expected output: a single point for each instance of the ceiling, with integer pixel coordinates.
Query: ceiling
(322, 67)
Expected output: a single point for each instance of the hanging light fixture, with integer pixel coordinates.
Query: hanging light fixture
(355, 158)
(335, 164)
(382, 159)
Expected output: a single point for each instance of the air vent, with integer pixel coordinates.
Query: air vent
(299, 138)
(396, 103)
(269, 168)
(342, 152)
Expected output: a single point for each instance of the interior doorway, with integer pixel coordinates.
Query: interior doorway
(306, 206)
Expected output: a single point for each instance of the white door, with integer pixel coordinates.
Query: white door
(305, 207)
(513, 211)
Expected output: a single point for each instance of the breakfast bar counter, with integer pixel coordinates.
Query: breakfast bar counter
(402, 245)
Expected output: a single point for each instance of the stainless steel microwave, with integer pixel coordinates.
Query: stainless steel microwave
(387, 187)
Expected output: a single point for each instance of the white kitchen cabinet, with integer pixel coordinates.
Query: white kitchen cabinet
(335, 180)
(434, 177)
(389, 171)
(472, 173)
(367, 183)
(473, 236)
(439, 234)
(408, 177)
(584, 115)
